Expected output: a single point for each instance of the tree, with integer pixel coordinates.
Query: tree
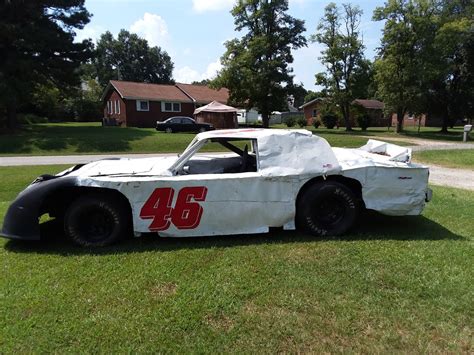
(203, 82)
(255, 67)
(130, 58)
(452, 91)
(402, 67)
(36, 46)
(343, 55)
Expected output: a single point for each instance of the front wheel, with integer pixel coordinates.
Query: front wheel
(202, 130)
(327, 208)
(96, 220)
(169, 130)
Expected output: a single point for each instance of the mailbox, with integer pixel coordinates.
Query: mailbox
(467, 129)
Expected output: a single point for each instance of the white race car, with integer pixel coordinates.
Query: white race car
(267, 178)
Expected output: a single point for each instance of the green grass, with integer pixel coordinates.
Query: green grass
(394, 285)
(462, 158)
(91, 138)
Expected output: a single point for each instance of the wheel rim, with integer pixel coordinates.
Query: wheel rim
(169, 130)
(95, 224)
(328, 212)
(202, 130)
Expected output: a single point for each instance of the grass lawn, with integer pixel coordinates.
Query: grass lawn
(91, 138)
(462, 158)
(395, 284)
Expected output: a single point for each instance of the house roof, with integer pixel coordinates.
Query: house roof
(310, 102)
(370, 104)
(156, 92)
(204, 94)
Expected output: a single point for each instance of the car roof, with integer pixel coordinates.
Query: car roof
(251, 133)
(179, 117)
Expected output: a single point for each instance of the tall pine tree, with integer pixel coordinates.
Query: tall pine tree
(37, 45)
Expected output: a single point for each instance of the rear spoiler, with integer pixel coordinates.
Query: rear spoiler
(392, 151)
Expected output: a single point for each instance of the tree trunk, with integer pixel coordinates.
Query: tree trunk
(400, 115)
(345, 115)
(11, 114)
(444, 127)
(265, 119)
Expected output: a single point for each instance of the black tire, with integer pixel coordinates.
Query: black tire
(327, 208)
(202, 130)
(169, 130)
(96, 220)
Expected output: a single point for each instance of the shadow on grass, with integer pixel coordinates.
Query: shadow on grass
(371, 226)
(76, 139)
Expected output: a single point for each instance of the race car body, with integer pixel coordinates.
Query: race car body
(267, 178)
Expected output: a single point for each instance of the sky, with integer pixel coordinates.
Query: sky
(193, 32)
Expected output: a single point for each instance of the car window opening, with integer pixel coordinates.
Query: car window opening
(239, 156)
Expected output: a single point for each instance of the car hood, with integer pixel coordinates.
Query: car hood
(157, 166)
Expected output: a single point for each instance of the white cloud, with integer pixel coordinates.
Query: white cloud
(212, 5)
(188, 75)
(153, 28)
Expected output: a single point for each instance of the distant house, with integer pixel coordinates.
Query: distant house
(141, 105)
(312, 110)
(373, 108)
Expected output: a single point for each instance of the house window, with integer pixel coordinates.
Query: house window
(117, 107)
(315, 113)
(170, 106)
(143, 105)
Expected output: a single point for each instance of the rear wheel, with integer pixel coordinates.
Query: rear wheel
(96, 220)
(202, 129)
(327, 208)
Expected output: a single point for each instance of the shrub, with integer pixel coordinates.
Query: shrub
(363, 121)
(29, 118)
(329, 120)
(290, 121)
(316, 123)
(301, 121)
(361, 115)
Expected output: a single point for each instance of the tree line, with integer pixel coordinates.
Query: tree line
(424, 61)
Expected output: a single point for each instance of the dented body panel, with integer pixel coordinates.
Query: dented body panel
(243, 192)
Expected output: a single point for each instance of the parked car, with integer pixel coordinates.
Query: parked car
(266, 178)
(182, 124)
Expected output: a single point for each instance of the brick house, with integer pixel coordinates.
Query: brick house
(374, 108)
(311, 110)
(133, 104)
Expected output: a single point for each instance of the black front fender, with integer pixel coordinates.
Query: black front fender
(22, 218)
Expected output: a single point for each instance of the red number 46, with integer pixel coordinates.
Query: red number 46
(186, 214)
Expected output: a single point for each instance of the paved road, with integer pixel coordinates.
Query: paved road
(462, 178)
(70, 159)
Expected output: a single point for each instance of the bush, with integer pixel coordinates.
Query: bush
(363, 121)
(361, 115)
(329, 120)
(301, 121)
(30, 118)
(290, 121)
(316, 123)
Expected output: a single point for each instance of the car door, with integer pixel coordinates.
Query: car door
(175, 124)
(215, 203)
(187, 125)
